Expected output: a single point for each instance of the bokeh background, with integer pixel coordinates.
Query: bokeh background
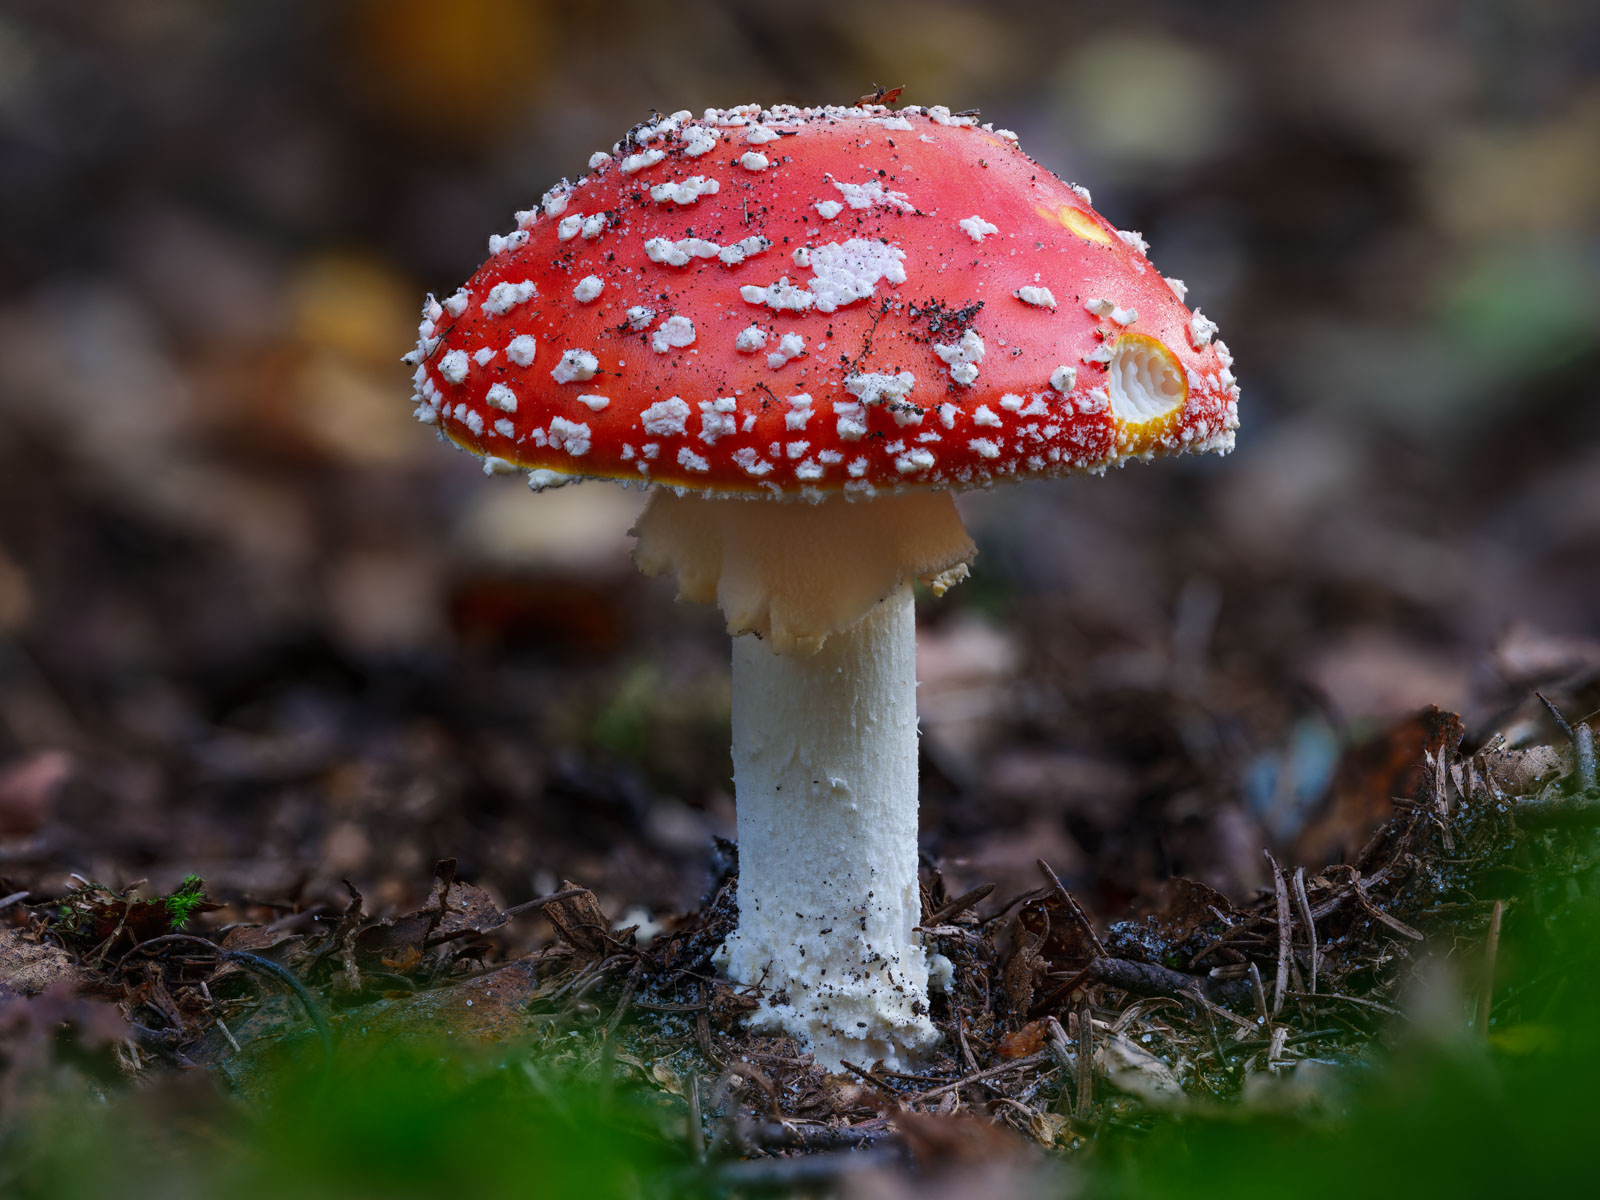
(256, 624)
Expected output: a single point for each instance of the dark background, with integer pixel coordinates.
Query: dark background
(255, 624)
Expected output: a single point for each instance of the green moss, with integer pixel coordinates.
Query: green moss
(182, 903)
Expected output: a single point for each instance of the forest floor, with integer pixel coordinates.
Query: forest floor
(1058, 1034)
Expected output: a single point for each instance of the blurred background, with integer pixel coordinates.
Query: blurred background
(255, 624)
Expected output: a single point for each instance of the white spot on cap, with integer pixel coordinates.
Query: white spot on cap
(501, 397)
(1064, 378)
(718, 418)
(665, 418)
(963, 357)
(871, 194)
(1040, 297)
(1132, 237)
(1201, 330)
(1124, 316)
(543, 478)
(941, 115)
(456, 304)
(984, 448)
(598, 159)
(1180, 289)
(750, 339)
(589, 287)
(750, 461)
(640, 316)
(686, 191)
(521, 349)
(1099, 306)
(829, 209)
(500, 243)
(571, 436)
(852, 419)
(594, 403)
(735, 254)
(750, 160)
(799, 411)
(761, 135)
(483, 356)
(454, 366)
(575, 366)
(791, 345)
(874, 388)
(700, 141)
(673, 334)
(645, 158)
(568, 227)
(977, 228)
(781, 296)
(555, 200)
(678, 254)
(503, 297)
(984, 415)
(688, 459)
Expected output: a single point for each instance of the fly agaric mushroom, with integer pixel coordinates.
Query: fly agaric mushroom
(805, 329)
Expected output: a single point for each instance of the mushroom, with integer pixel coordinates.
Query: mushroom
(804, 360)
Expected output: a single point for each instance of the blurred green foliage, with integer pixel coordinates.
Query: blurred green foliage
(423, 1121)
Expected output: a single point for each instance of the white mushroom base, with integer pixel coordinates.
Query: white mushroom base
(825, 772)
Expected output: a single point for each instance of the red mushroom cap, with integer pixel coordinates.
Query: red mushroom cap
(802, 301)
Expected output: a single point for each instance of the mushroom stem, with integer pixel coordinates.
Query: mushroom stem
(825, 770)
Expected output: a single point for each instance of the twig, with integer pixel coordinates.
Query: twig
(883, 1087)
(628, 988)
(1031, 894)
(1015, 1064)
(1556, 713)
(1304, 902)
(1084, 1100)
(702, 1029)
(1366, 902)
(960, 904)
(1260, 991)
(1357, 1000)
(1285, 936)
(1072, 905)
(539, 902)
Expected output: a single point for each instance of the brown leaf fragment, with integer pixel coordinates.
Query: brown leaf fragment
(1023, 971)
(1368, 779)
(883, 95)
(580, 922)
(1028, 1040)
(464, 908)
(28, 968)
(1047, 1127)
(256, 938)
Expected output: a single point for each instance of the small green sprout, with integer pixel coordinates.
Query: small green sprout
(183, 902)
